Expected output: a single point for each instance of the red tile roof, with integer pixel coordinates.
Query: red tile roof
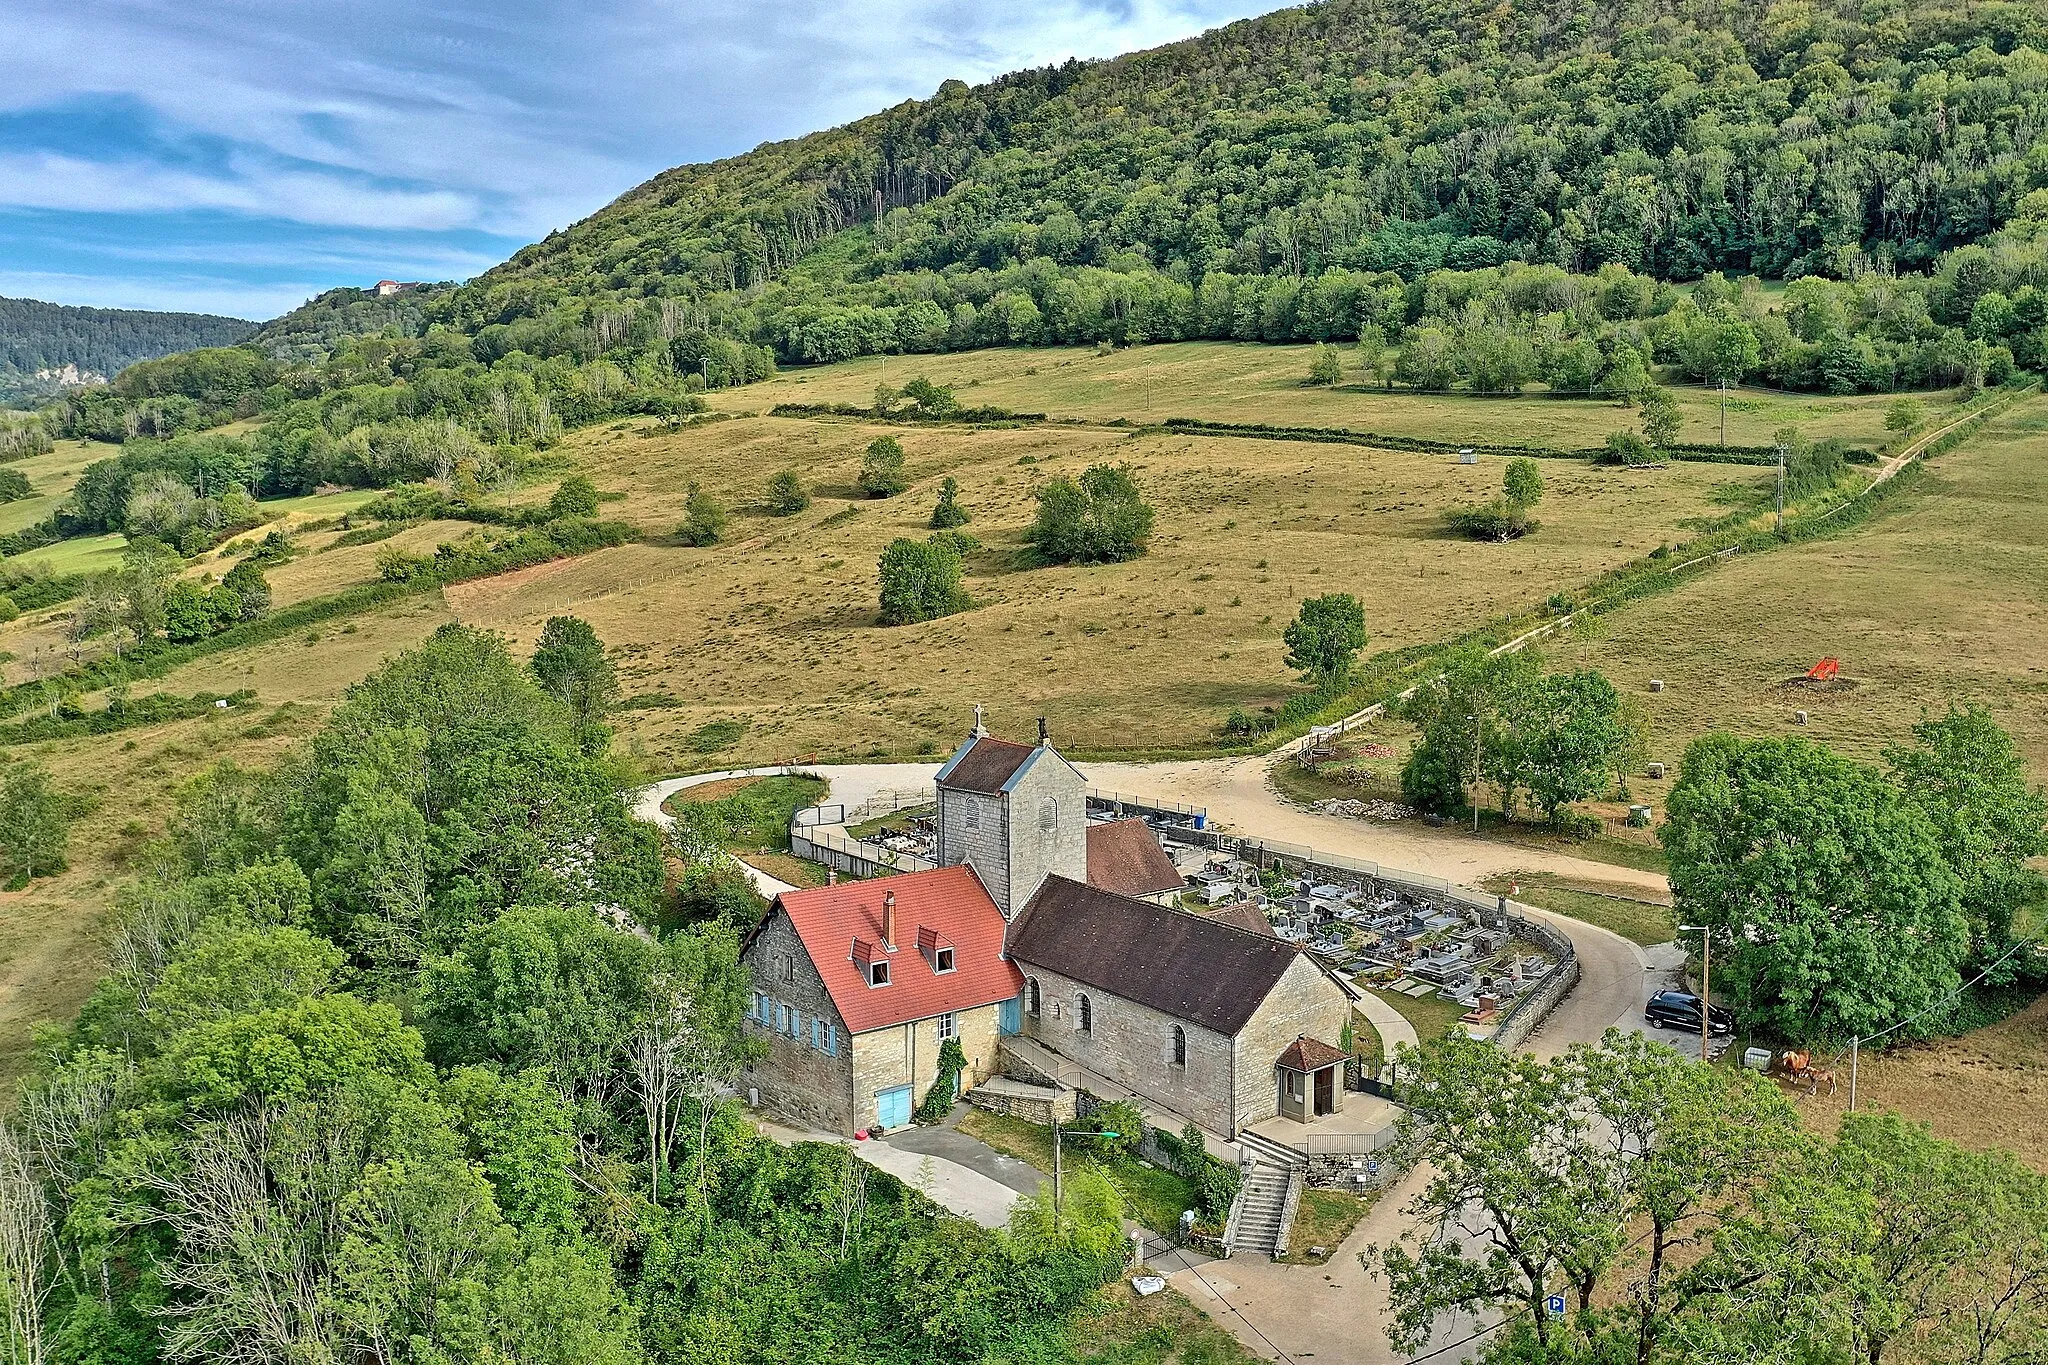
(1307, 1054)
(950, 902)
(1124, 856)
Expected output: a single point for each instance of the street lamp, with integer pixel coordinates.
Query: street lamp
(1706, 981)
(1057, 1138)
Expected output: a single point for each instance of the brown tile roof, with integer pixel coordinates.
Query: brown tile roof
(1306, 1054)
(1189, 966)
(1124, 856)
(1244, 915)
(986, 765)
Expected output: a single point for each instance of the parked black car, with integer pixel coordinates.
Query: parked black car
(1681, 1010)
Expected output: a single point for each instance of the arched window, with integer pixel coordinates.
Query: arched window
(1049, 816)
(1031, 1001)
(1180, 1046)
(1084, 1014)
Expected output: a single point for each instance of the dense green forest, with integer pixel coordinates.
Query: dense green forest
(409, 1053)
(1674, 138)
(319, 324)
(37, 336)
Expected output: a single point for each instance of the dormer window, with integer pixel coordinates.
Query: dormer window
(935, 948)
(873, 961)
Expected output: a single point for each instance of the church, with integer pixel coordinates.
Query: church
(1040, 925)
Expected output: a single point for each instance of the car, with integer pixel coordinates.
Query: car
(1681, 1010)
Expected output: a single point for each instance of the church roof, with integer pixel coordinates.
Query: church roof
(1244, 915)
(1124, 856)
(950, 902)
(985, 764)
(1202, 970)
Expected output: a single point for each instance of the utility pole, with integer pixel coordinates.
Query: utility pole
(1781, 489)
(1477, 732)
(1706, 982)
(1855, 1047)
(1724, 414)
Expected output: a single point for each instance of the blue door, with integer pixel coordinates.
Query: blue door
(1011, 1018)
(892, 1107)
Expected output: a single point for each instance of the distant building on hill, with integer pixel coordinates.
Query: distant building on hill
(386, 288)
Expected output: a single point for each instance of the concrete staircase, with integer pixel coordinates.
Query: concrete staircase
(1258, 1222)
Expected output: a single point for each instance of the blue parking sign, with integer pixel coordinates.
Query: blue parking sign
(1555, 1303)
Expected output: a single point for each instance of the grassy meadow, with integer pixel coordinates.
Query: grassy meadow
(1229, 382)
(1942, 596)
(765, 647)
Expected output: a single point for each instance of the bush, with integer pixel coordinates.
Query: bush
(1098, 519)
(575, 496)
(1325, 365)
(704, 520)
(1430, 781)
(938, 1101)
(947, 512)
(8, 611)
(920, 581)
(787, 495)
(1625, 448)
(1499, 520)
(1522, 482)
(1124, 1119)
(881, 468)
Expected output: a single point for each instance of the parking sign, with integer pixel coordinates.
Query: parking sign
(1555, 1303)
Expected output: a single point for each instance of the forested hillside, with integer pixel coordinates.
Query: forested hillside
(318, 325)
(1674, 138)
(37, 337)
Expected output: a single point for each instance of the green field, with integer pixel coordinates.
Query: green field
(1234, 382)
(52, 476)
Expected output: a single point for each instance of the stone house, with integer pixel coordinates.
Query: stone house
(1192, 1012)
(857, 986)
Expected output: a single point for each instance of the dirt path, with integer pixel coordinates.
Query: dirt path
(1240, 797)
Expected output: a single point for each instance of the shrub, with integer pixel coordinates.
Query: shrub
(1098, 519)
(574, 496)
(881, 468)
(938, 1101)
(8, 611)
(704, 518)
(1660, 416)
(1499, 520)
(947, 512)
(1124, 1119)
(787, 495)
(1625, 448)
(920, 581)
(1522, 482)
(1325, 365)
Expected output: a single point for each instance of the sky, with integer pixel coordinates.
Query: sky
(239, 156)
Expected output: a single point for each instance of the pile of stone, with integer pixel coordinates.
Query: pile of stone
(1365, 810)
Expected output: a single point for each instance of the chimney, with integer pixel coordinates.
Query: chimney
(889, 920)
(1044, 734)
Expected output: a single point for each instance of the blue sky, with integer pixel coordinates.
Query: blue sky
(238, 156)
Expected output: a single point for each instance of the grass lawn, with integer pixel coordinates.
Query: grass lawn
(896, 820)
(785, 867)
(1323, 1219)
(52, 477)
(1638, 920)
(1942, 596)
(1222, 381)
(1116, 1327)
(757, 810)
(1432, 1015)
(1152, 1195)
(777, 627)
(83, 554)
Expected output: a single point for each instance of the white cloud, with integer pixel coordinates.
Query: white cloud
(46, 180)
(230, 298)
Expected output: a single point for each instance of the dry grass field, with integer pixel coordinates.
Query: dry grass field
(776, 628)
(1226, 382)
(1942, 596)
(52, 476)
